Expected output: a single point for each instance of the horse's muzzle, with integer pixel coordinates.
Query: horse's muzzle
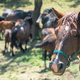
(57, 69)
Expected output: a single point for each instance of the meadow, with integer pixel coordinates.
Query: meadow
(30, 65)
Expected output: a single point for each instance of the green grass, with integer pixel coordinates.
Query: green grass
(30, 65)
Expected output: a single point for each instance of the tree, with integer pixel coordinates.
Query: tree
(35, 15)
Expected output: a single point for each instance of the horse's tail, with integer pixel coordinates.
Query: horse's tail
(13, 38)
(42, 44)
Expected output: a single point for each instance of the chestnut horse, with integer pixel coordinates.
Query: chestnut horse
(68, 41)
(20, 34)
(7, 35)
(48, 37)
(6, 25)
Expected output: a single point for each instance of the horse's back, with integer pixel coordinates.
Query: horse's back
(6, 24)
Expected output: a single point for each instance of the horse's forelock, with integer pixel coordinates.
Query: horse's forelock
(69, 17)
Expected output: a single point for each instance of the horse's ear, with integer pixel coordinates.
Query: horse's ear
(56, 30)
(28, 19)
(57, 13)
(79, 16)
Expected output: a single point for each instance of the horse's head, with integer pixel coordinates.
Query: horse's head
(47, 20)
(67, 43)
(19, 22)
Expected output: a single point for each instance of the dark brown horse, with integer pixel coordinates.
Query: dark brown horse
(48, 37)
(14, 15)
(7, 35)
(48, 21)
(20, 34)
(6, 25)
(68, 41)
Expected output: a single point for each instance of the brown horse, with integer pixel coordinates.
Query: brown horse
(20, 34)
(48, 37)
(68, 41)
(7, 35)
(6, 25)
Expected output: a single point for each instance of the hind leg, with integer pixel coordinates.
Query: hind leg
(5, 49)
(26, 44)
(11, 49)
(20, 45)
(45, 54)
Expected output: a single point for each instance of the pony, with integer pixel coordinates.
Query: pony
(48, 37)
(67, 44)
(7, 36)
(20, 34)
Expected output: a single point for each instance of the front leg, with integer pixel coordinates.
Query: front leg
(79, 62)
(45, 55)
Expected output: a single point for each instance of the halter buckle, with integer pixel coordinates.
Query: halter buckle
(69, 58)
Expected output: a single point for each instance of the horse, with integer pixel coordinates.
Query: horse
(14, 15)
(48, 20)
(7, 35)
(6, 25)
(20, 34)
(9, 11)
(48, 37)
(2, 18)
(67, 44)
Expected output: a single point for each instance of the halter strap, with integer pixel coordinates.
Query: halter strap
(67, 56)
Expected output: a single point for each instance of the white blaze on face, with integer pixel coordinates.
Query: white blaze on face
(22, 28)
(39, 18)
(67, 28)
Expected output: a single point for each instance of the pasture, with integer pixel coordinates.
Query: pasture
(30, 65)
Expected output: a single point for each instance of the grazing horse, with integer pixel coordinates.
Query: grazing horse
(7, 35)
(20, 34)
(14, 15)
(48, 37)
(6, 25)
(68, 41)
(48, 20)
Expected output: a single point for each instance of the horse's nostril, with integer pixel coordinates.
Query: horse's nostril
(60, 66)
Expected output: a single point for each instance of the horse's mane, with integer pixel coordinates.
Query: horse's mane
(68, 18)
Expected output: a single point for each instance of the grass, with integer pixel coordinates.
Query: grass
(30, 65)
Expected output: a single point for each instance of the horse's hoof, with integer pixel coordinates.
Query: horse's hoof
(13, 55)
(23, 51)
(3, 52)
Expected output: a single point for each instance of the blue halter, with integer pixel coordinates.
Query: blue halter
(67, 56)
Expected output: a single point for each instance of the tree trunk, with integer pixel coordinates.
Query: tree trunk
(35, 15)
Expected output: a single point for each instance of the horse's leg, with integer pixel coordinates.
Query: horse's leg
(26, 44)
(20, 45)
(12, 49)
(44, 54)
(50, 54)
(4, 48)
(79, 62)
